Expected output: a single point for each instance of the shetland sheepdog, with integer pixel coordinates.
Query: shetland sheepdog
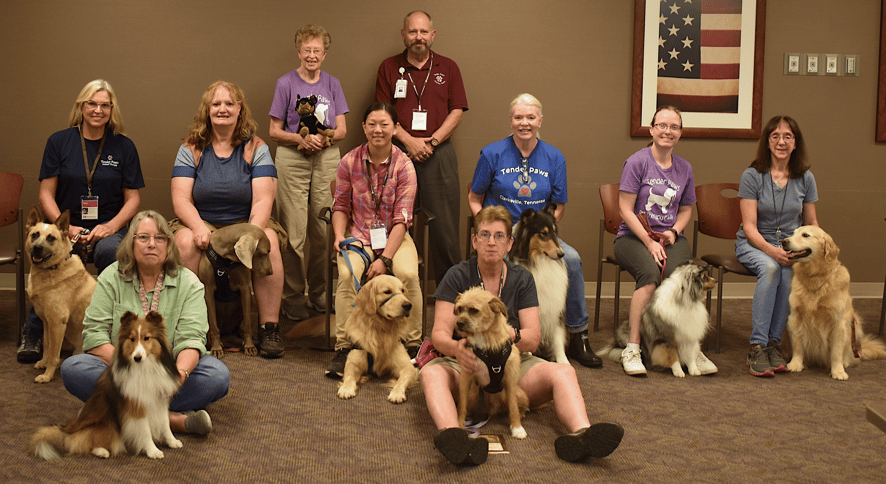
(129, 408)
(537, 248)
(674, 323)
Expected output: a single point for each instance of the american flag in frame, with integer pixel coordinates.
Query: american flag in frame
(704, 57)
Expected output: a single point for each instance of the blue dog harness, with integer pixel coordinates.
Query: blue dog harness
(353, 244)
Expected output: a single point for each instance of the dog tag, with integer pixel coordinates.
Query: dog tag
(400, 89)
(378, 237)
(88, 208)
(419, 120)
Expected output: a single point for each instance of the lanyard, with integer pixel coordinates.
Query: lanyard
(90, 173)
(430, 66)
(155, 301)
(780, 211)
(501, 283)
(376, 200)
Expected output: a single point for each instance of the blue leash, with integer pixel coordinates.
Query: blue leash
(353, 244)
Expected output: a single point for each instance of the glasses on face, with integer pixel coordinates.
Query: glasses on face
(312, 51)
(104, 106)
(159, 239)
(498, 236)
(673, 127)
(775, 137)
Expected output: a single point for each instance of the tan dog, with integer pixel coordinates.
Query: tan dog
(482, 319)
(375, 327)
(59, 288)
(238, 250)
(823, 325)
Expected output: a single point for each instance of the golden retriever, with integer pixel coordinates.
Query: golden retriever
(59, 288)
(823, 326)
(375, 327)
(482, 319)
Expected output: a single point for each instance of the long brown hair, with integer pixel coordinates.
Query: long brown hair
(798, 164)
(200, 131)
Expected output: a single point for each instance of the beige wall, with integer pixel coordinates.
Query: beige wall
(573, 55)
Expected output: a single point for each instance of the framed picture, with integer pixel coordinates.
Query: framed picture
(704, 57)
(881, 89)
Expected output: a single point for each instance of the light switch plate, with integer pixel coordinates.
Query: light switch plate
(813, 66)
(850, 65)
(792, 63)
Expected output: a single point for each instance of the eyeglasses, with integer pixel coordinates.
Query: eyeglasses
(104, 106)
(312, 51)
(663, 127)
(159, 239)
(498, 236)
(776, 137)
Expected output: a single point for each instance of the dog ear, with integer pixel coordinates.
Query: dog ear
(34, 217)
(829, 248)
(455, 305)
(551, 208)
(499, 307)
(63, 221)
(366, 297)
(127, 319)
(245, 248)
(155, 318)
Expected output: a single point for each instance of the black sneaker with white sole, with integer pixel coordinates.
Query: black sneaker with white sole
(336, 368)
(597, 441)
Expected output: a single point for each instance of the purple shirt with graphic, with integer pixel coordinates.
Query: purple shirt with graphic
(660, 192)
(330, 99)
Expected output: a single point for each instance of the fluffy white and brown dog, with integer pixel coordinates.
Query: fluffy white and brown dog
(375, 326)
(129, 408)
(482, 319)
(823, 326)
(674, 324)
(537, 248)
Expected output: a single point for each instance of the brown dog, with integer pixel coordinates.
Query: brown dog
(482, 319)
(59, 288)
(236, 250)
(375, 326)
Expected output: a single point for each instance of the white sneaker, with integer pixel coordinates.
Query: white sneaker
(705, 366)
(632, 362)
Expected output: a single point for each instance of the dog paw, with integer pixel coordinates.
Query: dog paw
(154, 453)
(250, 350)
(794, 367)
(40, 364)
(679, 374)
(695, 372)
(43, 379)
(101, 452)
(518, 433)
(839, 375)
(347, 392)
(174, 443)
(398, 397)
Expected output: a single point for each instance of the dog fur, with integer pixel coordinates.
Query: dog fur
(249, 245)
(482, 319)
(375, 326)
(129, 408)
(823, 321)
(59, 287)
(537, 248)
(674, 323)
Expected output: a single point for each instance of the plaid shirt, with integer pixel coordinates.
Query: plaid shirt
(353, 195)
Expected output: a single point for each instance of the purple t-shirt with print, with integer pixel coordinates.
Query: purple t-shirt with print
(660, 192)
(330, 99)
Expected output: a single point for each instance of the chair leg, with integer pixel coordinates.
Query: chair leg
(883, 311)
(719, 308)
(707, 341)
(599, 286)
(617, 299)
(328, 341)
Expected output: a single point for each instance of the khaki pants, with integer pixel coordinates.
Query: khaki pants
(302, 191)
(405, 268)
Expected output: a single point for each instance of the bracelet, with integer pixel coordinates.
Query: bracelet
(187, 375)
(676, 234)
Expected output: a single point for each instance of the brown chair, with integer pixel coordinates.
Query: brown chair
(718, 216)
(883, 311)
(609, 223)
(12, 248)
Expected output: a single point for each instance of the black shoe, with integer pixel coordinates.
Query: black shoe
(336, 368)
(412, 351)
(598, 441)
(580, 351)
(31, 349)
(460, 448)
(269, 341)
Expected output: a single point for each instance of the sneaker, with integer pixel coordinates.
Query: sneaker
(31, 349)
(460, 448)
(295, 310)
(580, 350)
(412, 351)
(776, 358)
(269, 341)
(597, 441)
(632, 362)
(705, 366)
(198, 422)
(318, 304)
(758, 361)
(336, 368)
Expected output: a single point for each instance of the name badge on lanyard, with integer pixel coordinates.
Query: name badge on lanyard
(89, 203)
(420, 116)
(88, 208)
(419, 120)
(378, 236)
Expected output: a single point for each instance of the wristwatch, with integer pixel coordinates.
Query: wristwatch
(516, 335)
(434, 142)
(676, 234)
(388, 262)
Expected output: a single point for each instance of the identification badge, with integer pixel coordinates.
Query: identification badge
(378, 237)
(88, 208)
(400, 89)
(419, 120)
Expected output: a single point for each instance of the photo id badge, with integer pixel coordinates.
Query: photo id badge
(419, 120)
(378, 236)
(88, 208)
(400, 89)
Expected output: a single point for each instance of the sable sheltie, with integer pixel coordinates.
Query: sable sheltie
(537, 248)
(129, 408)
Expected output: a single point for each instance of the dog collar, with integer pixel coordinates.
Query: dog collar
(389, 298)
(219, 263)
(495, 362)
(60, 263)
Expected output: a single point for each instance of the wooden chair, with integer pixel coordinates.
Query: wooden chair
(609, 223)
(883, 311)
(718, 216)
(12, 247)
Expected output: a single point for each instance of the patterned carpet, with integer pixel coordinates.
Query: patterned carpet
(281, 422)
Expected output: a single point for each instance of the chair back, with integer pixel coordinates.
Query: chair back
(611, 215)
(12, 184)
(718, 215)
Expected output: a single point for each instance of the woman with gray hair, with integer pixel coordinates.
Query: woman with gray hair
(147, 276)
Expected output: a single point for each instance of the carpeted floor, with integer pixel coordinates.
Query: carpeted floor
(281, 422)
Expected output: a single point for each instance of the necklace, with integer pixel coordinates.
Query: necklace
(153, 303)
(501, 282)
(781, 210)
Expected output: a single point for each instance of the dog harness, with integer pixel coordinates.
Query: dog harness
(222, 266)
(353, 244)
(495, 362)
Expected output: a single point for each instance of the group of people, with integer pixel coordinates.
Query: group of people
(225, 174)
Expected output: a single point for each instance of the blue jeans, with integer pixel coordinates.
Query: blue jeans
(771, 304)
(208, 382)
(576, 306)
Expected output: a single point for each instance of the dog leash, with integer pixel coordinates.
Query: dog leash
(351, 245)
(654, 236)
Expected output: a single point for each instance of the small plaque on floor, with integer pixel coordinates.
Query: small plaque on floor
(496, 444)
